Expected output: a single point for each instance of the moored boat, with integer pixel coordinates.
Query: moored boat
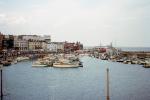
(6, 63)
(146, 66)
(22, 58)
(38, 64)
(65, 63)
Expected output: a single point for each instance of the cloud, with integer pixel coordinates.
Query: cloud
(89, 21)
(2, 18)
(12, 20)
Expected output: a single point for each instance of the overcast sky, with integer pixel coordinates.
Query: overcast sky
(123, 22)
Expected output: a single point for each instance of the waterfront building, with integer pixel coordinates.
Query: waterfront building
(55, 47)
(8, 42)
(30, 37)
(52, 47)
(44, 46)
(35, 44)
(78, 46)
(20, 44)
(7, 46)
(71, 47)
(1, 41)
(60, 47)
(46, 38)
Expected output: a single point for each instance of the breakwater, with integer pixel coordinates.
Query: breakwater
(139, 54)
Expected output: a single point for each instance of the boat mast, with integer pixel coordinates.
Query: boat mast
(107, 82)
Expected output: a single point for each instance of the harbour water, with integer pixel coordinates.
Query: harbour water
(145, 49)
(127, 82)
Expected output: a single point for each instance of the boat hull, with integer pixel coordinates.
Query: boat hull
(39, 65)
(65, 66)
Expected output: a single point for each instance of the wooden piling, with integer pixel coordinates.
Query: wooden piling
(1, 81)
(107, 84)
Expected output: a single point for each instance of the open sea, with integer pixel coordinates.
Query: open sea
(127, 82)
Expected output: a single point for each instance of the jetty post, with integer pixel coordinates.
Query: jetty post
(1, 66)
(107, 84)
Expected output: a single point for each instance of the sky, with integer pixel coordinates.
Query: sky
(92, 22)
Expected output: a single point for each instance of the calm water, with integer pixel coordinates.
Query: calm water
(127, 82)
(146, 49)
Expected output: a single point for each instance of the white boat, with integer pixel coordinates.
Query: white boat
(38, 64)
(14, 62)
(22, 58)
(60, 65)
(64, 63)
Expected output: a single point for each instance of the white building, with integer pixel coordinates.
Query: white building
(46, 38)
(44, 46)
(20, 44)
(60, 46)
(30, 37)
(52, 47)
(37, 42)
(55, 46)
